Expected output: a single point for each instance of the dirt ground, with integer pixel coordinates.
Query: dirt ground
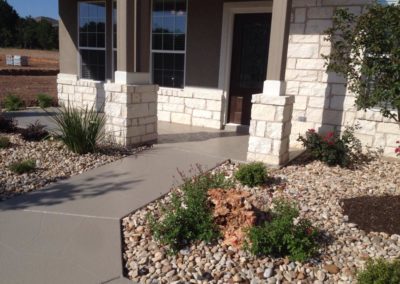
(25, 86)
(42, 59)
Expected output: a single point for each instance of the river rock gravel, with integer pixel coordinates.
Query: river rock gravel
(318, 190)
(53, 162)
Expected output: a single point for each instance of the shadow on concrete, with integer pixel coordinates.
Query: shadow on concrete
(65, 191)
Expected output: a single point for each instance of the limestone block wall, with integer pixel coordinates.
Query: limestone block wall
(131, 113)
(80, 93)
(270, 129)
(191, 106)
(322, 100)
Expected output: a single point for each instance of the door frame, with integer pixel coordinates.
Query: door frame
(229, 11)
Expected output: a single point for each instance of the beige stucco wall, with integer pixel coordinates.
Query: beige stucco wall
(322, 100)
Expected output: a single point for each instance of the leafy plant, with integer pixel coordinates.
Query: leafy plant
(252, 174)
(44, 100)
(34, 132)
(12, 103)
(332, 148)
(397, 150)
(189, 216)
(380, 272)
(7, 125)
(79, 129)
(26, 166)
(284, 235)
(4, 142)
(365, 50)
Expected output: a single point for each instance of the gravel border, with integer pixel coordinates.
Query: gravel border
(54, 162)
(319, 191)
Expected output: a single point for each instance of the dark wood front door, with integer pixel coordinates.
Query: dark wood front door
(249, 63)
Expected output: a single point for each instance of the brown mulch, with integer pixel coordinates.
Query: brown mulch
(374, 213)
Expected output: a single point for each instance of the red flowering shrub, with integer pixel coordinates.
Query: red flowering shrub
(397, 150)
(332, 148)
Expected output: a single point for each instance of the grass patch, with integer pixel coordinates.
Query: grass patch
(284, 235)
(44, 100)
(253, 174)
(79, 129)
(380, 272)
(189, 217)
(23, 167)
(13, 103)
(4, 142)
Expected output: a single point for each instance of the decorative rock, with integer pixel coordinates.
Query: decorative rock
(143, 271)
(158, 256)
(268, 273)
(331, 268)
(55, 161)
(236, 278)
(340, 259)
(300, 276)
(320, 275)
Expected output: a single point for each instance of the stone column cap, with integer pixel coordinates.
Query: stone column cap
(269, 100)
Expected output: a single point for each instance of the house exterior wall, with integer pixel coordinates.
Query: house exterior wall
(192, 106)
(322, 100)
(201, 102)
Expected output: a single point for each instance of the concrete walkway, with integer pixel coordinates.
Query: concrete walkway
(70, 231)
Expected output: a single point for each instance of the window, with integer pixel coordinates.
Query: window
(169, 42)
(92, 40)
(388, 2)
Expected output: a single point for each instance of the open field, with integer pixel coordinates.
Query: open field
(42, 59)
(29, 82)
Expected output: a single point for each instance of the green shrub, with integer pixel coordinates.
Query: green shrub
(26, 166)
(252, 174)
(4, 142)
(12, 103)
(281, 236)
(189, 217)
(380, 272)
(34, 132)
(44, 100)
(7, 125)
(79, 129)
(331, 148)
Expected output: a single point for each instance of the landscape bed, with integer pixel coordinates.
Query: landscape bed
(322, 194)
(53, 162)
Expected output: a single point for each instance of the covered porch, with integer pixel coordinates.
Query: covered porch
(197, 62)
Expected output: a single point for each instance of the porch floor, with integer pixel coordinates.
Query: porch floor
(217, 143)
(227, 144)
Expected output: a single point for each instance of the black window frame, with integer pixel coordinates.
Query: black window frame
(99, 73)
(175, 54)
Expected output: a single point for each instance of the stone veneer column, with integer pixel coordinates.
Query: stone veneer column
(270, 129)
(79, 93)
(271, 113)
(131, 113)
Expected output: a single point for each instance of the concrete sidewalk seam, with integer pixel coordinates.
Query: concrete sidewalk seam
(72, 215)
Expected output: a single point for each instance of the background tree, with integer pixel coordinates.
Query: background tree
(366, 50)
(8, 23)
(25, 32)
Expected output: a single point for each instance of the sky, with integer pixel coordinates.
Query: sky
(35, 8)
